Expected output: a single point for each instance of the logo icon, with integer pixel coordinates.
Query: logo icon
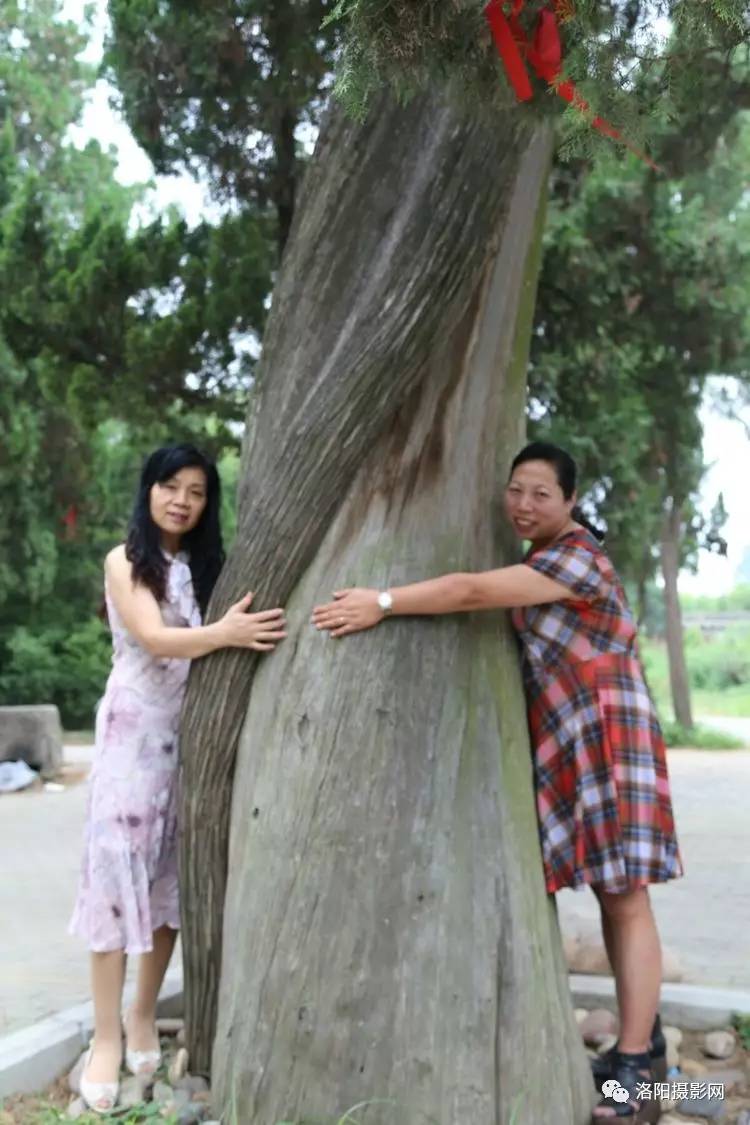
(612, 1089)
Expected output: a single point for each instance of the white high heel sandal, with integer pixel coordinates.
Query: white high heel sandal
(94, 1093)
(140, 1063)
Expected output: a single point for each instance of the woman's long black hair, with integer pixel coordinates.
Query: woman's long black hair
(203, 544)
(566, 472)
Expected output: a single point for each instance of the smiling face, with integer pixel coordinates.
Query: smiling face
(177, 504)
(535, 503)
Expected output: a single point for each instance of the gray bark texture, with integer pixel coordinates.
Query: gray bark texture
(386, 933)
(679, 681)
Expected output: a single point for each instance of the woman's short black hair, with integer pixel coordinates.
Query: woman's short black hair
(203, 544)
(565, 467)
(566, 472)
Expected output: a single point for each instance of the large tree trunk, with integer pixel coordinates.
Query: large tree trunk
(386, 931)
(679, 681)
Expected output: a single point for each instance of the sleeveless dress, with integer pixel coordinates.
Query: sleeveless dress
(128, 882)
(600, 768)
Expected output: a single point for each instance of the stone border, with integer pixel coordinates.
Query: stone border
(34, 1057)
(690, 1006)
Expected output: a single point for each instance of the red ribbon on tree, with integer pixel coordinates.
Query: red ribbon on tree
(70, 521)
(544, 54)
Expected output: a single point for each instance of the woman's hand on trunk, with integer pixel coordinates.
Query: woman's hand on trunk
(351, 611)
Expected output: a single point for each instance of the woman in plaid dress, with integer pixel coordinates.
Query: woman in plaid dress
(600, 771)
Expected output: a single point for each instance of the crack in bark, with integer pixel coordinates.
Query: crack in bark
(498, 1021)
(282, 922)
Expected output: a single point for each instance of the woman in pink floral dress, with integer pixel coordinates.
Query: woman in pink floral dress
(157, 585)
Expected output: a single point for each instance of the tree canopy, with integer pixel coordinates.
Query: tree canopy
(100, 319)
(643, 294)
(642, 290)
(224, 89)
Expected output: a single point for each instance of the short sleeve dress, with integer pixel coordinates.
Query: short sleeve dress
(128, 884)
(602, 789)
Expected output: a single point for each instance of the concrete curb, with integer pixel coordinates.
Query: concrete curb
(36, 1056)
(32, 1058)
(691, 1006)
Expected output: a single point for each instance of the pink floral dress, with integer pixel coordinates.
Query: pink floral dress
(128, 883)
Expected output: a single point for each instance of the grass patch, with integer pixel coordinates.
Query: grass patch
(699, 738)
(348, 1117)
(741, 1024)
(515, 1118)
(39, 1112)
(719, 684)
(733, 702)
(78, 738)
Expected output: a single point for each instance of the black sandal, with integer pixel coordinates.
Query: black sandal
(630, 1091)
(602, 1067)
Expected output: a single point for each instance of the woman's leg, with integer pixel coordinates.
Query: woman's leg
(607, 935)
(142, 1015)
(633, 947)
(107, 980)
(634, 950)
(632, 942)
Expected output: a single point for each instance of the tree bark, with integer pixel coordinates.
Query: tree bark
(284, 36)
(679, 681)
(386, 930)
(642, 580)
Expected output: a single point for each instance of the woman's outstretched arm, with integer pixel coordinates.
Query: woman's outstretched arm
(355, 609)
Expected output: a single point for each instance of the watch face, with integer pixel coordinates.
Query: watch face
(384, 601)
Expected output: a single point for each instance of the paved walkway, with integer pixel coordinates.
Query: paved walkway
(42, 968)
(704, 918)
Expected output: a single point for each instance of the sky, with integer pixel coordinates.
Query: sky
(107, 126)
(726, 443)
(726, 448)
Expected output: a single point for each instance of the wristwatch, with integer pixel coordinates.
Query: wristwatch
(385, 601)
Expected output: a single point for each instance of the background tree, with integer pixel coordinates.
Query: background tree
(643, 295)
(100, 319)
(224, 90)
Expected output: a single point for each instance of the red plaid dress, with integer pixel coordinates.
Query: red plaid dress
(600, 769)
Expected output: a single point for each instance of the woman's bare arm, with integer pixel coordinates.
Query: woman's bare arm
(141, 616)
(505, 588)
